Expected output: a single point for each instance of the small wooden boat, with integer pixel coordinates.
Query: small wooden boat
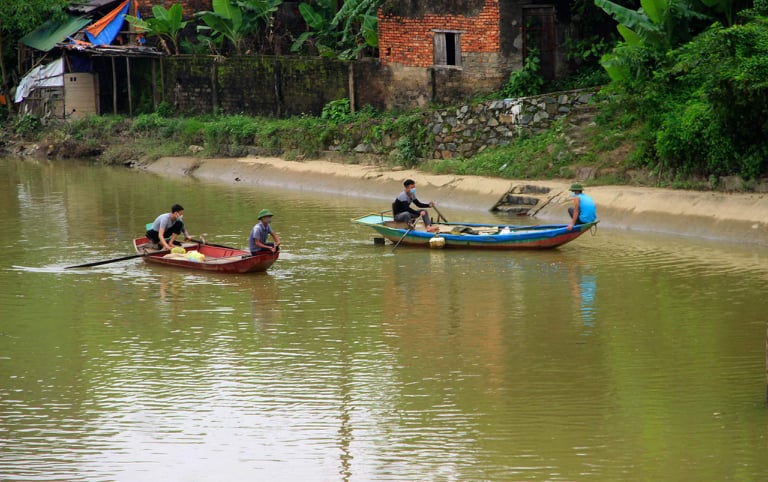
(220, 259)
(474, 235)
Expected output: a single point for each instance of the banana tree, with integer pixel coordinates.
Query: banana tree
(655, 28)
(237, 20)
(165, 24)
(344, 33)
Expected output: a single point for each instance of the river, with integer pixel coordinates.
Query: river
(619, 356)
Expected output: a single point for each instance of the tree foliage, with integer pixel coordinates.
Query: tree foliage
(165, 24)
(19, 17)
(706, 112)
(235, 21)
(648, 33)
(342, 34)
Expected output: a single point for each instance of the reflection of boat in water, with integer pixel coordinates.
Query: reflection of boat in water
(265, 300)
(475, 235)
(214, 258)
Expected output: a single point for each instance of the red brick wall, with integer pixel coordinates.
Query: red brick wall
(408, 41)
(189, 7)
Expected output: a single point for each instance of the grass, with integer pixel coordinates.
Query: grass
(391, 139)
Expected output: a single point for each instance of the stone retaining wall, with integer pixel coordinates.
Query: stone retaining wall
(467, 130)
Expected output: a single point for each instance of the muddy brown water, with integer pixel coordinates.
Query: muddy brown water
(620, 356)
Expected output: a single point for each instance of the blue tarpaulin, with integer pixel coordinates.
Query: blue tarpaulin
(104, 31)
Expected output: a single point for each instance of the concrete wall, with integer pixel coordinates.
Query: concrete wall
(253, 85)
(285, 86)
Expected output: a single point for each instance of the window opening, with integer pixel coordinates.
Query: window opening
(447, 48)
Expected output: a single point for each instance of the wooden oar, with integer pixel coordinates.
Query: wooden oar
(113, 260)
(204, 242)
(439, 214)
(411, 225)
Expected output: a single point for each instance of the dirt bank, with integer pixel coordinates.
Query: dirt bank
(725, 216)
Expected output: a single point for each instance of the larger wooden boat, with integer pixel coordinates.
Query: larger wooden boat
(474, 235)
(220, 259)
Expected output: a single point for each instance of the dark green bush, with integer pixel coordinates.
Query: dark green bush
(526, 81)
(27, 125)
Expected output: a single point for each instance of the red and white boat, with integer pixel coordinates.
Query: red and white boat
(217, 258)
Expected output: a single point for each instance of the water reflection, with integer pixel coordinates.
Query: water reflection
(265, 301)
(584, 288)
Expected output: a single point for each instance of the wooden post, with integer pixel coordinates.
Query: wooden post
(114, 87)
(214, 92)
(128, 76)
(766, 363)
(162, 80)
(352, 87)
(154, 84)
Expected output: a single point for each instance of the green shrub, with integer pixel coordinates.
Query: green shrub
(337, 111)
(27, 125)
(526, 81)
(165, 109)
(148, 123)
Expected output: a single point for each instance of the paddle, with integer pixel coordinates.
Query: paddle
(203, 241)
(113, 260)
(439, 214)
(411, 225)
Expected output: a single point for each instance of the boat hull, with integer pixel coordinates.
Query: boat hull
(475, 235)
(217, 259)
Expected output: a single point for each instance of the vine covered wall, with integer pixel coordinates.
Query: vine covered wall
(253, 85)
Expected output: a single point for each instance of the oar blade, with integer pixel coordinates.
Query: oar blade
(410, 228)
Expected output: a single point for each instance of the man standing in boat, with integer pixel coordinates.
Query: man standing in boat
(583, 210)
(168, 224)
(257, 240)
(404, 213)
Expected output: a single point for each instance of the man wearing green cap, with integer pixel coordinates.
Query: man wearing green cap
(583, 209)
(257, 240)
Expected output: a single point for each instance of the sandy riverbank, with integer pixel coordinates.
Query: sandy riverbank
(732, 217)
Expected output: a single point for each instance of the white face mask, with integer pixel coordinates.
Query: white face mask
(181, 216)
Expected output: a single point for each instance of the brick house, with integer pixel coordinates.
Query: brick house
(444, 50)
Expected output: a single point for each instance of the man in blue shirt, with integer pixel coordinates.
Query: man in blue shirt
(257, 240)
(583, 210)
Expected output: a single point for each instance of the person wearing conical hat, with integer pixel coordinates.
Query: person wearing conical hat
(257, 240)
(583, 210)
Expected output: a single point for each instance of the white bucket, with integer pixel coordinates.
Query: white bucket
(436, 242)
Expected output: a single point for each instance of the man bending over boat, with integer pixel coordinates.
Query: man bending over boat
(168, 225)
(257, 240)
(404, 213)
(583, 210)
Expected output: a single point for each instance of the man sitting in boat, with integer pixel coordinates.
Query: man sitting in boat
(583, 210)
(257, 240)
(404, 213)
(168, 224)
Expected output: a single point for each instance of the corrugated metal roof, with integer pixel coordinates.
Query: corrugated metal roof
(52, 32)
(81, 7)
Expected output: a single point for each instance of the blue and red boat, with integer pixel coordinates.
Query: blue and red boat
(474, 235)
